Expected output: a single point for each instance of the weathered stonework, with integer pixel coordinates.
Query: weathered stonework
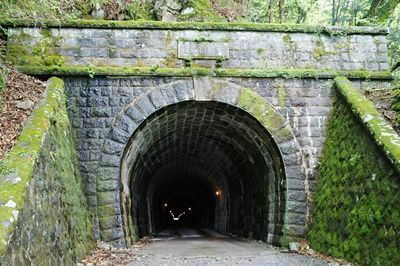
(153, 75)
(356, 214)
(151, 48)
(44, 217)
(95, 103)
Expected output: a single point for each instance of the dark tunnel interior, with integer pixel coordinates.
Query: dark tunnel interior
(204, 164)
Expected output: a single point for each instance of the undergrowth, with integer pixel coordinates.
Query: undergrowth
(396, 97)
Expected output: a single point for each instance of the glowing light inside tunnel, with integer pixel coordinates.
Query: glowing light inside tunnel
(176, 218)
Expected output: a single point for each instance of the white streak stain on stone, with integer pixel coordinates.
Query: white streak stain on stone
(367, 118)
(17, 180)
(15, 214)
(10, 204)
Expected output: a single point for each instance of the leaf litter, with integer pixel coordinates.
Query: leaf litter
(19, 88)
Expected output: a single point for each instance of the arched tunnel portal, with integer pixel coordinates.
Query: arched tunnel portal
(209, 163)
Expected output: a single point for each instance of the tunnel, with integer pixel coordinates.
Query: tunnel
(204, 165)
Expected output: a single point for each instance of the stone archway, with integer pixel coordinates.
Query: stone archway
(124, 215)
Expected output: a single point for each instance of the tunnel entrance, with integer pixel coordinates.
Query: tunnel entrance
(203, 164)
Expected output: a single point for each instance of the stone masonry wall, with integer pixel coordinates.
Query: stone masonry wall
(94, 103)
(51, 225)
(169, 48)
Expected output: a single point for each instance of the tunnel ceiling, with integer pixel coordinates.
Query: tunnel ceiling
(201, 149)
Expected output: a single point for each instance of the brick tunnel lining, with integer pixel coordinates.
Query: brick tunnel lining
(192, 151)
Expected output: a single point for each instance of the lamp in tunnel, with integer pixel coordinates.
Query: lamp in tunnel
(219, 198)
(165, 204)
(189, 209)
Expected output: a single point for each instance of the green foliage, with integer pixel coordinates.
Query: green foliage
(138, 10)
(357, 203)
(68, 9)
(295, 11)
(382, 9)
(396, 100)
(2, 83)
(3, 77)
(394, 37)
(91, 70)
(202, 12)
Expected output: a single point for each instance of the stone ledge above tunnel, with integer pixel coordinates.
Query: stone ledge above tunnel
(155, 45)
(204, 90)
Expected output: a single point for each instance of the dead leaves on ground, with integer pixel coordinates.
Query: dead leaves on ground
(19, 88)
(106, 255)
(382, 99)
(306, 250)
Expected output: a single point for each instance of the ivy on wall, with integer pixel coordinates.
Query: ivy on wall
(357, 204)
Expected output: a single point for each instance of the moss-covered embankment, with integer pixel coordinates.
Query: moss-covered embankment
(43, 215)
(357, 204)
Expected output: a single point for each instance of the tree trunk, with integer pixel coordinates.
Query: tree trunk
(334, 12)
(281, 11)
(270, 10)
(337, 15)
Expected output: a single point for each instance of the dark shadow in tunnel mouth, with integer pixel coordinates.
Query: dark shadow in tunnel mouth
(211, 157)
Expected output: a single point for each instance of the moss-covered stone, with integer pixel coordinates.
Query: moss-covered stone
(220, 72)
(231, 26)
(43, 164)
(357, 202)
(282, 95)
(365, 110)
(171, 59)
(320, 51)
(264, 113)
(23, 49)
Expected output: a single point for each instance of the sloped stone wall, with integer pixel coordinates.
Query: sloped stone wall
(52, 226)
(357, 203)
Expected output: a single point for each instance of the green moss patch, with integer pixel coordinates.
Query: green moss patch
(265, 113)
(320, 51)
(224, 26)
(364, 109)
(357, 203)
(20, 161)
(45, 144)
(187, 72)
(21, 50)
